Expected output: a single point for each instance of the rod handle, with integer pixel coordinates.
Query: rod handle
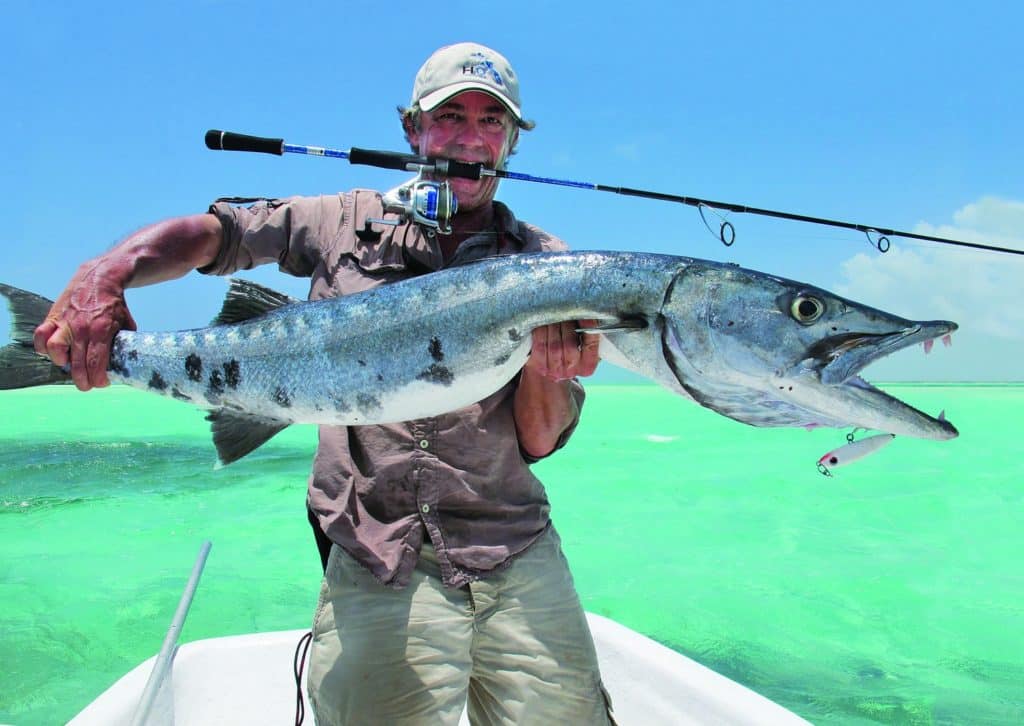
(458, 169)
(384, 159)
(230, 141)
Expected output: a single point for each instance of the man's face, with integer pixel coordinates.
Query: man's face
(474, 127)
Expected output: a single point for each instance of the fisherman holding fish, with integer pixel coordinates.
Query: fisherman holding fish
(444, 577)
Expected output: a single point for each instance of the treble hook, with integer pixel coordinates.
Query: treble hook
(726, 232)
(881, 244)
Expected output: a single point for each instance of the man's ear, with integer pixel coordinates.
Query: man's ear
(513, 139)
(412, 133)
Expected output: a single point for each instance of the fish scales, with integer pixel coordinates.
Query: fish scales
(393, 353)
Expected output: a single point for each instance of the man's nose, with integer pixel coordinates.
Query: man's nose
(470, 135)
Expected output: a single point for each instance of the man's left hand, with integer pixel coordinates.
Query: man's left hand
(560, 353)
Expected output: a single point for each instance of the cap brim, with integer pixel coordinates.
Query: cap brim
(432, 100)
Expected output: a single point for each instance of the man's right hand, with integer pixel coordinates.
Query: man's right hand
(81, 325)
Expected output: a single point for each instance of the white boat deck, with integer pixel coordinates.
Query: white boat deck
(248, 679)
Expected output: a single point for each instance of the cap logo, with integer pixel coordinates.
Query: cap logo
(483, 69)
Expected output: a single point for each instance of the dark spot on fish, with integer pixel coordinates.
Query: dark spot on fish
(366, 402)
(731, 323)
(133, 355)
(194, 367)
(179, 395)
(232, 373)
(340, 404)
(116, 364)
(502, 359)
(437, 374)
(380, 377)
(216, 381)
(361, 362)
(514, 335)
(435, 349)
(281, 397)
(157, 382)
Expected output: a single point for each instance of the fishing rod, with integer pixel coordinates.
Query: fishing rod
(432, 203)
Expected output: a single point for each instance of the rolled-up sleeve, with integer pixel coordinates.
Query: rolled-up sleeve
(290, 232)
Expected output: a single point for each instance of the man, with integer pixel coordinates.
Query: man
(444, 579)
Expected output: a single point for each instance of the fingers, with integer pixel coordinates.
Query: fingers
(560, 353)
(86, 355)
(45, 336)
(590, 344)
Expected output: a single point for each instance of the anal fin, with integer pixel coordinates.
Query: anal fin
(237, 434)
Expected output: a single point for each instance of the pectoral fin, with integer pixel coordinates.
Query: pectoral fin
(625, 325)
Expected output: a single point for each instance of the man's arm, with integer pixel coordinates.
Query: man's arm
(543, 405)
(85, 318)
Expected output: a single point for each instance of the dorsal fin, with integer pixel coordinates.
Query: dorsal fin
(237, 434)
(246, 300)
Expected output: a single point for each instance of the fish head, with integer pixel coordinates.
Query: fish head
(771, 351)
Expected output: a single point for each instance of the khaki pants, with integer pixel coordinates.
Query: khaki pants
(515, 645)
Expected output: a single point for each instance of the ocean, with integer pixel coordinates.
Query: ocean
(892, 592)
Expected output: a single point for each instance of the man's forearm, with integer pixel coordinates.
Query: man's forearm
(79, 328)
(160, 252)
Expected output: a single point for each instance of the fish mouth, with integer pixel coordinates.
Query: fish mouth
(842, 357)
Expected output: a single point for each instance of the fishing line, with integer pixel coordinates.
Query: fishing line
(431, 203)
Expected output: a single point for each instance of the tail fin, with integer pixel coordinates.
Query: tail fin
(20, 365)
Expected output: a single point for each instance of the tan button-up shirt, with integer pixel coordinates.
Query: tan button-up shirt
(460, 477)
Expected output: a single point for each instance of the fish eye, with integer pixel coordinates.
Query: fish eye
(806, 309)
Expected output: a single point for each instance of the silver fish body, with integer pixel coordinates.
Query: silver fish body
(751, 346)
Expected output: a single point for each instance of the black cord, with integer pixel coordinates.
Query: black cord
(298, 663)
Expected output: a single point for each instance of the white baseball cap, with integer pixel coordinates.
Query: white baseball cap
(466, 67)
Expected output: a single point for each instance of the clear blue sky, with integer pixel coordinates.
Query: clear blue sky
(905, 115)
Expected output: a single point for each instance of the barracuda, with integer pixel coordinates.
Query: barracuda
(754, 347)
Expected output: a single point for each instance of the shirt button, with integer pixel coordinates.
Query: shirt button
(424, 443)
(425, 508)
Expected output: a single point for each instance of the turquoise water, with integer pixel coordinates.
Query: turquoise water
(890, 593)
